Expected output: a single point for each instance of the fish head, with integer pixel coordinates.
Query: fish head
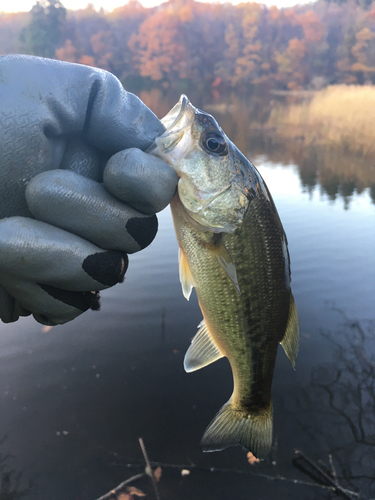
(216, 181)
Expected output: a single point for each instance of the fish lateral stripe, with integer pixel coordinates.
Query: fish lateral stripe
(231, 427)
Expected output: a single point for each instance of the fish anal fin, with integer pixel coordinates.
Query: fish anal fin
(231, 427)
(186, 278)
(225, 260)
(202, 351)
(290, 340)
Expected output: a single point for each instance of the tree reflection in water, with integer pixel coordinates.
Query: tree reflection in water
(11, 481)
(342, 397)
(338, 172)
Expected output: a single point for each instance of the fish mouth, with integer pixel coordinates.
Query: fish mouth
(172, 119)
(177, 122)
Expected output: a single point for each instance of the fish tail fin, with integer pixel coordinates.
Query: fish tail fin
(232, 427)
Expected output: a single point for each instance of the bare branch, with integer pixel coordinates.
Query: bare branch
(333, 468)
(149, 469)
(113, 493)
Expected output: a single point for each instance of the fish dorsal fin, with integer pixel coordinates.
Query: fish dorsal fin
(202, 351)
(226, 262)
(185, 275)
(290, 341)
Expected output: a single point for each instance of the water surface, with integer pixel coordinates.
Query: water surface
(75, 398)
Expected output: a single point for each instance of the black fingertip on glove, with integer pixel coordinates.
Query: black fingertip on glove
(143, 229)
(108, 268)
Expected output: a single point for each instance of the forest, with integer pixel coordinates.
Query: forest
(211, 47)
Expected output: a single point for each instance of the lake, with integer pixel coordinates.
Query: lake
(74, 399)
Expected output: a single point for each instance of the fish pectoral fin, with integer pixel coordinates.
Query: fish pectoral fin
(226, 262)
(202, 351)
(232, 426)
(186, 278)
(290, 341)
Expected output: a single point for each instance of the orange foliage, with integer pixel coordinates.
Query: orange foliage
(371, 13)
(363, 62)
(240, 46)
(232, 42)
(102, 46)
(313, 27)
(296, 48)
(67, 52)
(186, 14)
(158, 50)
(216, 82)
(131, 9)
(274, 13)
(87, 60)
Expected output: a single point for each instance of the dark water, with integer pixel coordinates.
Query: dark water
(75, 399)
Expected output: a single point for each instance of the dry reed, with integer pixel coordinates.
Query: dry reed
(339, 116)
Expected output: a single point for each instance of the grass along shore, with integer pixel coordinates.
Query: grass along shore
(340, 117)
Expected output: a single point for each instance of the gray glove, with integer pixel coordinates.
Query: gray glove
(77, 193)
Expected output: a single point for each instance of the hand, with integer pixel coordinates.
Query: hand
(77, 193)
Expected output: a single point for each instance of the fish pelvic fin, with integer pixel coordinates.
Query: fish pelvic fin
(186, 278)
(232, 427)
(290, 340)
(202, 351)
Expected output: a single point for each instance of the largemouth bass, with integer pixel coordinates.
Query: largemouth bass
(233, 251)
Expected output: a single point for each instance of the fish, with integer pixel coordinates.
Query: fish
(233, 250)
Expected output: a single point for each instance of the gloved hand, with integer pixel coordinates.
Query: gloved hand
(77, 193)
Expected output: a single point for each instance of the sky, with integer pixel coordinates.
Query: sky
(25, 5)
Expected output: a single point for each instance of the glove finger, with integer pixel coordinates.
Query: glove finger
(7, 307)
(50, 305)
(141, 180)
(84, 207)
(38, 252)
(10, 309)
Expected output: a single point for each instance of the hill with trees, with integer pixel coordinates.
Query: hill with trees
(213, 47)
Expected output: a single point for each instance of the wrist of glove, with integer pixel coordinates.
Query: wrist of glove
(77, 193)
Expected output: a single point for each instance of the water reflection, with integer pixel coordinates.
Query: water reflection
(342, 395)
(71, 396)
(339, 175)
(12, 484)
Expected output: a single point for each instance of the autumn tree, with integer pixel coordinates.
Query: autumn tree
(124, 22)
(364, 55)
(356, 49)
(158, 50)
(248, 64)
(67, 52)
(11, 24)
(43, 33)
(300, 58)
(203, 34)
(80, 26)
(200, 47)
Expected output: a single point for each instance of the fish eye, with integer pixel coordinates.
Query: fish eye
(215, 143)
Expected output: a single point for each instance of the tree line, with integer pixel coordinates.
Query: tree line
(210, 46)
